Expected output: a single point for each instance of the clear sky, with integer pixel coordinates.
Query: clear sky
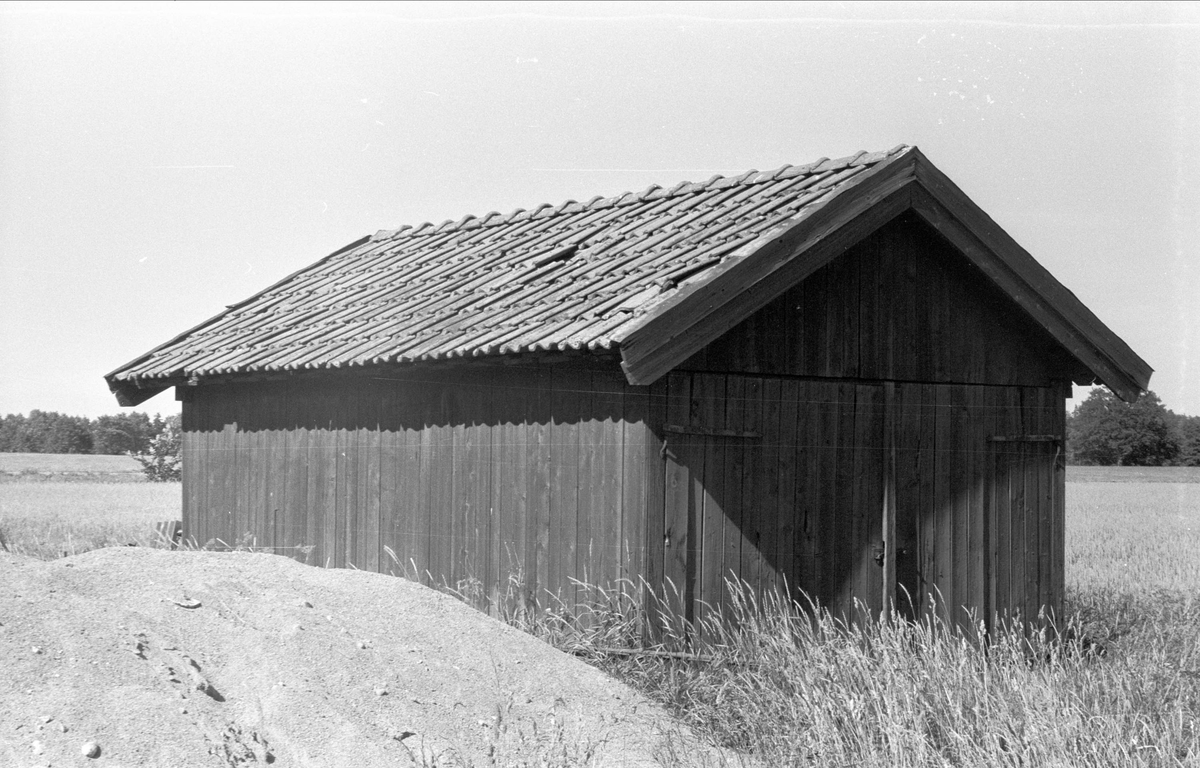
(160, 161)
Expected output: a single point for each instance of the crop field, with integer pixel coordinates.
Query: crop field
(1118, 684)
(68, 467)
(51, 519)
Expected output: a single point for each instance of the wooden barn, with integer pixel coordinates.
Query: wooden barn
(840, 378)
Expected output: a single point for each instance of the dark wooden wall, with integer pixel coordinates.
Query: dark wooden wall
(764, 457)
(780, 481)
(530, 476)
(902, 305)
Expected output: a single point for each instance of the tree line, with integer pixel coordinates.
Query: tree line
(51, 432)
(1105, 431)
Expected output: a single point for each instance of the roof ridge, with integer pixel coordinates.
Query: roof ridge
(652, 192)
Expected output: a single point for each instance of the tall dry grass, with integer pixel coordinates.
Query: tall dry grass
(786, 687)
(1118, 684)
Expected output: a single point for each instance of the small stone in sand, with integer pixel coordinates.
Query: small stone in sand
(90, 749)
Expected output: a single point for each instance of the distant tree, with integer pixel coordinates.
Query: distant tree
(14, 435)
(162, 461)
(123, 433)
(1189, 441)
(51, 432)
(1104, 430)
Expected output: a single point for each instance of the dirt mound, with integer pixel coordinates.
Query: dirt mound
(233, 659)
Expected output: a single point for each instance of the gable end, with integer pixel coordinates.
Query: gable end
(673, 332)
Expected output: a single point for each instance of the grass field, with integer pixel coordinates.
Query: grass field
(48, 519)
(1133, 474)
(69, 467)
(790, 691)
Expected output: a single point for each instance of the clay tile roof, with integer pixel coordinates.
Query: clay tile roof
(571, 276)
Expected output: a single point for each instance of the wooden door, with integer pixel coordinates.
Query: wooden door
(1025, 572)
(713, 446)
(843, 458)
(775, 484)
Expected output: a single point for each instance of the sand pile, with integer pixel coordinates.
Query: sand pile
(233, 659)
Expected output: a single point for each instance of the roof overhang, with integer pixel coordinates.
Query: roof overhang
(761, 271)
(134, 391)
(129, 393)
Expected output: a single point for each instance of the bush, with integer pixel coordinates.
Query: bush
(162, 462)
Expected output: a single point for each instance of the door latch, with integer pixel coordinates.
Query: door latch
(878, 551)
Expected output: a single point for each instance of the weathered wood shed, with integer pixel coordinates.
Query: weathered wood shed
(841, 378)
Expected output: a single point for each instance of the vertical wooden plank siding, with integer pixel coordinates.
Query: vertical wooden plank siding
(209, 489)
(191, 453)
(1047, 460)
(509, 512)
(793, 538)
(978, 427)
(354, 452)
(1058, 548)
(540, 433)
(891, 546)
(321, 458)
(677, 511)
(912, 445)
(607, 528)
(941, 563)
(959, 500)
(1018, 509)
(470, 555)
(866, 509)
(469, 486)
(484, 567)
(1033, 494)
(239, 441)
(841, 566)
(1005, 487)
(217, 504)
(412, 545)
(768, 533)
(344, 486)
(891, 308)
(589, 502)
(458, 508)
(710, 402)
(370, 549)
(552, 474)
(807, 574)
(227, 475)
(635, 473)
(731, 516)
(821, 436)
(756, 491)
(437, 453)
(202, 523)
(566, 398)
(653, 569)
(276, 448)
(392, 491)
(928, 531)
